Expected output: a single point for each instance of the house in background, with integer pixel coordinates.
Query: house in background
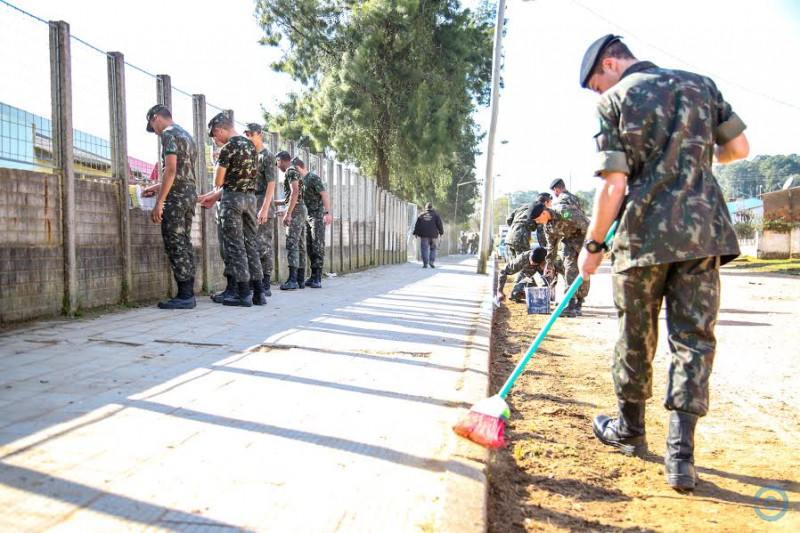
(780, 238)
(746, 210)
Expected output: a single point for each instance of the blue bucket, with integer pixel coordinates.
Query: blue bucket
(538, 300)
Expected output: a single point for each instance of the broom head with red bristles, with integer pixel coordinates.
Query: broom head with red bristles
(485, 424)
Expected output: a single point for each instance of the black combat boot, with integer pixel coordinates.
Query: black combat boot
(267, 290)
(184, 299)
(243, 296)
(625, 432)
(229, 292)
(259, 298)
(315, 281)
(570, 310)
(679, 457)
(579, 306)
(301, 283)
(291, 282)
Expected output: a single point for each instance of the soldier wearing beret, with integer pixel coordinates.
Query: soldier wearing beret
(525, 265)
(177, 196)
(563, 196)
(265, 192)
(660, 131)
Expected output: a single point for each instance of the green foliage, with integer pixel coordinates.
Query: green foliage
(517, 198)
(744, 230)
(765, 173)
(391, 86)
(587, 200)
(779, 225)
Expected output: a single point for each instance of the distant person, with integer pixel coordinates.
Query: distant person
(660, 131)
(318, 206)
(428, 228)
(474, 241)
(463, 240)
(294, 220)
(177, 198)
(265, 193)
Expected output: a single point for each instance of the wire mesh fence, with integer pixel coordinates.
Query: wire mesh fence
(140, 95)
(25, 99)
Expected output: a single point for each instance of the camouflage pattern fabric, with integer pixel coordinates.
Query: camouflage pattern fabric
(541, 238)
(266, 174)
(571, 202)
(519, 234)
(521, 266)
(239, 227)
(221, 240)
(176, 140)
(315, 237)
(295, 238)
(691, 290)
(570, 226)
(659, 127)
(289, 176)
(312, 187)
(176, 229)
(265, 240)
(240, 159)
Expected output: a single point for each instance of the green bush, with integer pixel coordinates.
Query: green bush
(744, 230)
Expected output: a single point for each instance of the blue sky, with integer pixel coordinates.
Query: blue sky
(747, 47)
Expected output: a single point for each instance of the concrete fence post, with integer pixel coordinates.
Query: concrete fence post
(64, 158)
(119, 161)
(207, 232)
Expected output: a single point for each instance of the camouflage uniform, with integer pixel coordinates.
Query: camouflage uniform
(660, 128)
(571, 202)
(238, 209)
(180, 203)
(567, 224)
(522, 267)
(295, 232)
(265, 237)
(315, 226)
(518, 238)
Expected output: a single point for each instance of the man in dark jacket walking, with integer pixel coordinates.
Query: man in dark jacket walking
(428, 228)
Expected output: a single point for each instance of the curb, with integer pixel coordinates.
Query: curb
(466, 498)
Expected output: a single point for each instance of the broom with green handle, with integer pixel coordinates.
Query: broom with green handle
(485, 424)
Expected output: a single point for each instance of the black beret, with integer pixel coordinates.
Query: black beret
(538, 254)
(593, 54)
(558, 182)
(535, 210)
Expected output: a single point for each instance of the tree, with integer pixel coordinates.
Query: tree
(391, 84)
(765, 173)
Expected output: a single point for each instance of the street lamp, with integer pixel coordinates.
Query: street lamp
(455, 208)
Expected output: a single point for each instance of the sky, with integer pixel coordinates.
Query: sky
(548, 120)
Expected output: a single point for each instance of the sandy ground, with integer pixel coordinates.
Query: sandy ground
(555, 476)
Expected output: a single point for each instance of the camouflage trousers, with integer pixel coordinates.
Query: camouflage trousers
(572, 247)
(315, 238)
(691, 290)
(296, 239)
(239, 225)
(265, 241)
(176, 230)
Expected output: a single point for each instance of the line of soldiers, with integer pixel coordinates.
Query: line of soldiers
(244, 185)
(564, 223)
(469, 243)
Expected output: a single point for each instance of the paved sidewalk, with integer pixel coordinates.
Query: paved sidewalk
(327, 410)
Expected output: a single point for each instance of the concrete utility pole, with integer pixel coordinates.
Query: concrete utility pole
(488, 184)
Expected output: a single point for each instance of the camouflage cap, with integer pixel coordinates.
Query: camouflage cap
(158, 109)
(593, 54)
(558, 182)
(219, 117)
(252, 127)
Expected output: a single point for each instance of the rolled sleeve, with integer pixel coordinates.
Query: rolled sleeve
(611, 161)
(730, 129)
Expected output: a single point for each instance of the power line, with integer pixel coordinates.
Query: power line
(681, 60)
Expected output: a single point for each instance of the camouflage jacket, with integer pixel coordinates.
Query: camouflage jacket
(312, 187)
(176, 140)
(292, 175)
(519, 234)
(565, 223)
(521, 263)
(238, 156)
(571, 202)
(266, 175)
(660, 128)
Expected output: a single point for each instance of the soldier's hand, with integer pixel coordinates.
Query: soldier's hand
(287, 219)
(158, 210)
(328, 219)
(588, 263)
(262, 216)
(500, 296)
(207, 203)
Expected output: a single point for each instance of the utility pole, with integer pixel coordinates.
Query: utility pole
(488, 184)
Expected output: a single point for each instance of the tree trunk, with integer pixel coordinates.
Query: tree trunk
(383, 167)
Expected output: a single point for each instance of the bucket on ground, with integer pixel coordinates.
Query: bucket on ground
(538, 300)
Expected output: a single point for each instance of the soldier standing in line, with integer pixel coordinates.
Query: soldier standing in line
(518, 239)
(235, 182)
(294, 219)
(177, 197)
(562, 222)
(660, 131)
(318, 206)
(265, 192)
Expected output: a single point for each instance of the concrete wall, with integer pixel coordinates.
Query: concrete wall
(779, 245)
